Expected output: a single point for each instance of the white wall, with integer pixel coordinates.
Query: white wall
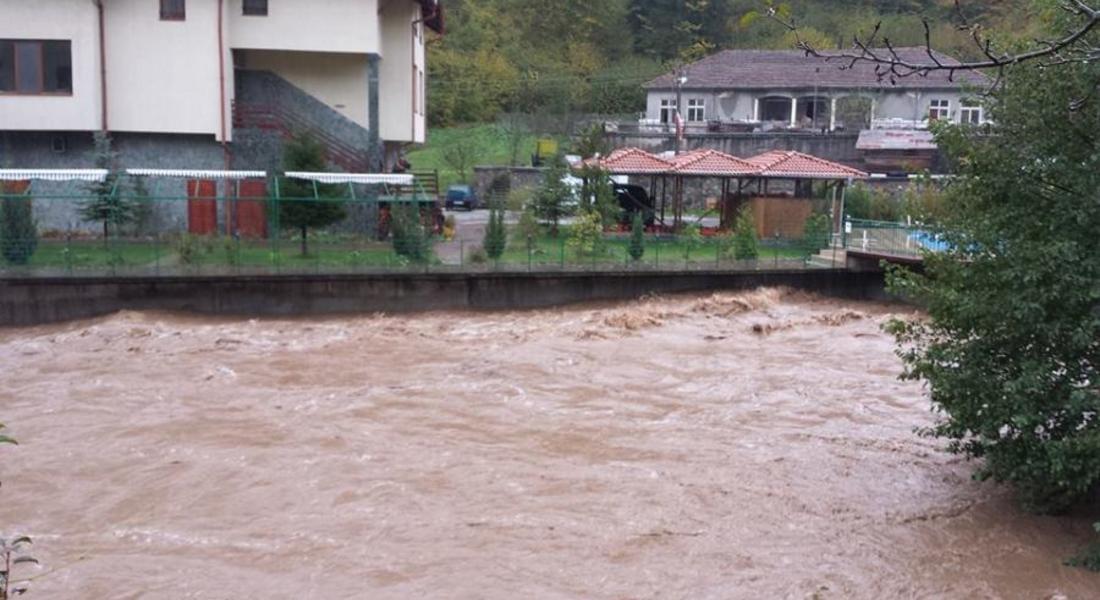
(307, 25)
(338, 80)
(73, 20)
(163, 76)
(402, 61)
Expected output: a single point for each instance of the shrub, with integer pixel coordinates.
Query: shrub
(18, 231)
(816, 234)
(554, 196)
(692, 239)
(188, 249)
(637, 238)
(496, 236)
(478, 256)
(744, 234)
(411, 239)
(304, 153)
(527, 230)
(586, 235)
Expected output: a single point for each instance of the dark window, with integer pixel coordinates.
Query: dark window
(36, 67)
(255, 8)
(173, 10)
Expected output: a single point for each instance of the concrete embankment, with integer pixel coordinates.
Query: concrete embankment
(34, 301)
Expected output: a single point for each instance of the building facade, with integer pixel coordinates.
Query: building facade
(770, 90)
(212, 83)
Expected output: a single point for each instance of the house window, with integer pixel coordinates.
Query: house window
(36, 67)
(697, 112)
(173, 10)
(255, 8)
(668, 111)
(423, 94)
(970, 112)
(939, 110)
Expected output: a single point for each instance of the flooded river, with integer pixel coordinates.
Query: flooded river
(733, 446)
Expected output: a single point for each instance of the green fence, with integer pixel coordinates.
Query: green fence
(178, 230)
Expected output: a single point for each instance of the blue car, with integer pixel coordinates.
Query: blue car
(461, 196)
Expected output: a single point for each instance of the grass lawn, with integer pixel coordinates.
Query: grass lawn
(95, 255)
(668, 251)
(489, 145)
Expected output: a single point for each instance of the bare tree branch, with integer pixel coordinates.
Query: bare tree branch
(890, 65)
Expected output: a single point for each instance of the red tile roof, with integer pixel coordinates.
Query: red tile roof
(712, 163)
(631, 161)
(795, 165)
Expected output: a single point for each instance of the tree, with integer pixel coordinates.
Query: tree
(636, 249)
(496, 235)
(744, 236)
(460, 156)
(105, 204)
(586, 235)
(554, 195)
(598, 194)
(411, 238)
(18, 230)
(1011, 347)
(816, 234)
(303, 206)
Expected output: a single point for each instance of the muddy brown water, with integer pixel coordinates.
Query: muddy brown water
(736, 446)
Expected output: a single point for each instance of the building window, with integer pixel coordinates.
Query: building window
(255, 8)
(173, 10)
(36, 67)
(668, 111)
(939, 110)
(970, 112)
(423, 94)
(697, 112)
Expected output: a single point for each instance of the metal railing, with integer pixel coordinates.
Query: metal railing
(889, 238)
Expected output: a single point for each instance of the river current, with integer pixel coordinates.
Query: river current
(755, 445)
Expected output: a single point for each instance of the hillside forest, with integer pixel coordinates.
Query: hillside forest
(555, 57)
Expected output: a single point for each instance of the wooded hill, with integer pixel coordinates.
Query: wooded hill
(585, 56)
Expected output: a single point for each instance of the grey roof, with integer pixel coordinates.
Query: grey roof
(787, 69)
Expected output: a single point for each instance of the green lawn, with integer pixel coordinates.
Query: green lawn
(659, 251)
(489, 144)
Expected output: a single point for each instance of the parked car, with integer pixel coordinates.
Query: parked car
(632, 199)
(462, 196)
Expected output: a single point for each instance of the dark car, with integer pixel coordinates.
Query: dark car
(461, 196)
(632, 199)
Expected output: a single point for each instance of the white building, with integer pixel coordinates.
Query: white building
(211, 83)
(787, 90)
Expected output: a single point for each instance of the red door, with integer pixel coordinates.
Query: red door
(202, 207)
(250, 215)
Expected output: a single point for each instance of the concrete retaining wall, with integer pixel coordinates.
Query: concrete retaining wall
(25, 302)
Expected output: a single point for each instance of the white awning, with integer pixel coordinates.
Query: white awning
(363, 178)
(94, 175)
(194, 174)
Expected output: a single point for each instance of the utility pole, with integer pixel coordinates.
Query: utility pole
(681, 125)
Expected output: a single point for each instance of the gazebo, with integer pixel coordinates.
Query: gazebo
(804, 170)
(709, 164)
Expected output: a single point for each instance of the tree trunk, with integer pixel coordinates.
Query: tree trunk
(305, 248)
(105, 234)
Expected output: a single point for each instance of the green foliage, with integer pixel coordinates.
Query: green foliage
(554, 196)
(5, 439)
(691, 238)
(598, 194)
(18, 230)
(1009, 350)
(105, 204)
(411, 238)
(586, 235)
(636, 249)
(864, 202)
(496, 235)
(816, 235)
(1089, 558)
(744, 236)
(299, 207)
(12, 554)
(592, 141)
(527, 229)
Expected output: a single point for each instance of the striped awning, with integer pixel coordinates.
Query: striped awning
(362, 178)
(196, 174)
(92, 175)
